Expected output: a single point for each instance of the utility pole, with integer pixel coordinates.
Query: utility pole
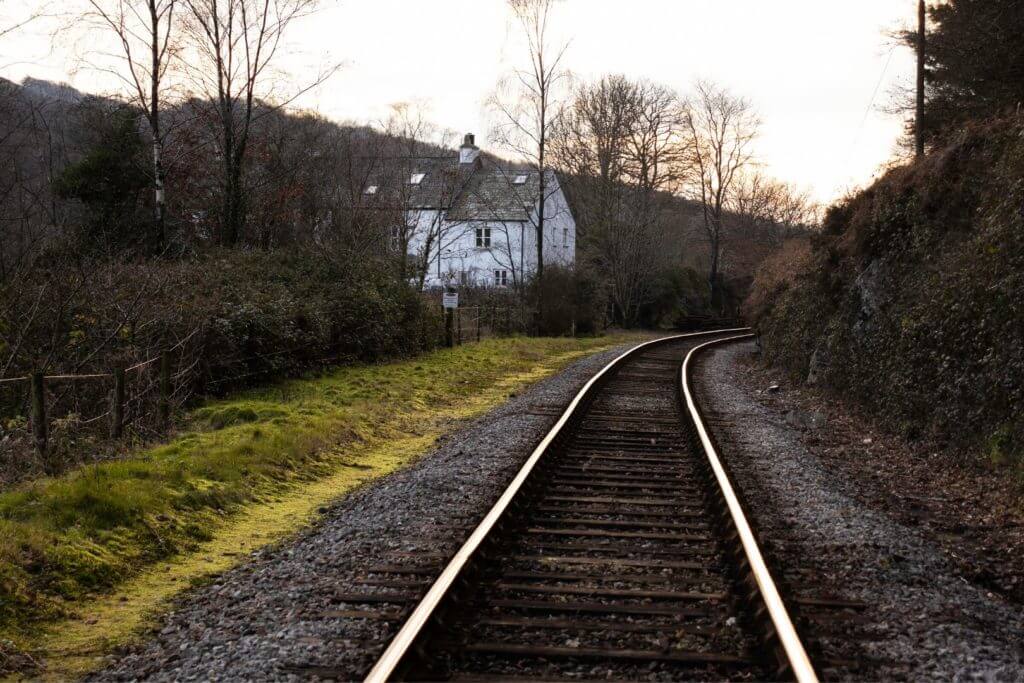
(919, 123)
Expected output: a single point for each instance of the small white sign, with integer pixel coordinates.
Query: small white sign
(450, 300)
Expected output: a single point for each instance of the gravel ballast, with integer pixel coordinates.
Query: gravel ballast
(289, 612)
(923, 620)
(277, 616)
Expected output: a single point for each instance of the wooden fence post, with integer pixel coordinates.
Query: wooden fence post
(449, 332)
(165, 390)
(39, 427)
(458, 314)
(117, 405)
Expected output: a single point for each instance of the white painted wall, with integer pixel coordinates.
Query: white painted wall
(559, 231)
(513, 244)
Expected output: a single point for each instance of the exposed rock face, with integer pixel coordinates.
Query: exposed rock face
(818, 365)
(868, 289)
(911, 302)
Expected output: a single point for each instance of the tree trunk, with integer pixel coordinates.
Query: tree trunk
(234, 202)
(542, 186)
(919, 123)
(159, 217)
(403, 260)
(154, 122)
(540, 257)
(540, 228)
(713, 271)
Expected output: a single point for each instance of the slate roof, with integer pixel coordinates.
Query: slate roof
(443, 179)
(469, 192)
(492, 195)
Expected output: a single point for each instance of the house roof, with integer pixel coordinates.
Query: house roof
(468, 192)
(493, 194)
(443, 178)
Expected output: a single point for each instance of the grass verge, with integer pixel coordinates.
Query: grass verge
(88, 558)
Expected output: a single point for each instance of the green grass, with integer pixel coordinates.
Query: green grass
(66, 539)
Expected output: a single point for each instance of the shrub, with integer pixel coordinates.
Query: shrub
(232, 318)
(775, 274)
(677, 294)
(570, 302)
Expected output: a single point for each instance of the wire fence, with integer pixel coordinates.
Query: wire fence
(476, 323)
(141, 399)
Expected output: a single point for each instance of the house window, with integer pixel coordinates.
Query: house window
(483, 238)
(417, 178)
(565, 237)
(501, 278)
(370, 189)
(519, 180)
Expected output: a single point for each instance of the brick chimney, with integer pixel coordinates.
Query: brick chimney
(469, 152)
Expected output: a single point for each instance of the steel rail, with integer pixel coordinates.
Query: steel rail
(796, 654)
(400, 645)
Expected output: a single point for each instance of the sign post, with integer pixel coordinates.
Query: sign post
(450, 301)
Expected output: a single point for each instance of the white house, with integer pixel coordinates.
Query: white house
(473, 223)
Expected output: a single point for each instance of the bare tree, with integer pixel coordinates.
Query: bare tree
(409, 128)
(763, 213)
(722, 129)
(771, 208)
(234, 43)
(34, 149)
(348, 225)
(621, 145)
(438, 234)
(507, 245)
(421, 184)
(146, 31)
(11, 21)
(589, 145)
(527, 104)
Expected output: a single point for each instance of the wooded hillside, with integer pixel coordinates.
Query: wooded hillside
(239, 235)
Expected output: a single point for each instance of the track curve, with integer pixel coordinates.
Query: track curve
(619, 550)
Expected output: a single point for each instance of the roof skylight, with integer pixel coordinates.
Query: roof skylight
(519, 180)
(417, 178)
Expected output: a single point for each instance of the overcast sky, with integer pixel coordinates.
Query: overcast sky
(811, 67)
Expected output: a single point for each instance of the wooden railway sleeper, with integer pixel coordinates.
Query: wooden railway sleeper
(538, 489)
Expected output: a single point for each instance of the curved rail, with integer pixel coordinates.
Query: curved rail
(799, 662)
(403, 641)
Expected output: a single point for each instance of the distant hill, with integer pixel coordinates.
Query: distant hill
(67, 110)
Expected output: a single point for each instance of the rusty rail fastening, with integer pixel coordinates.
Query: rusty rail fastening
(431, 614)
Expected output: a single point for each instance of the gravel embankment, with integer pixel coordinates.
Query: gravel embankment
(276, 616)
(924, 621)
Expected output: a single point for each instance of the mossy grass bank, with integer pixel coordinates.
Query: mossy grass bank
(88, 557)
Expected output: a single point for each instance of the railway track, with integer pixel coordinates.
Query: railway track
(619, 551)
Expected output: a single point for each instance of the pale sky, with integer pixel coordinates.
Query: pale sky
(811, 67)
